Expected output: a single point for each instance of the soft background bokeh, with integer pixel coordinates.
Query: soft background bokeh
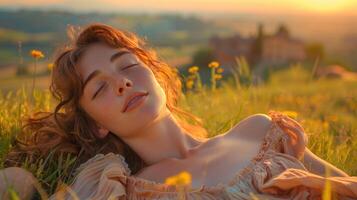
(298, 57)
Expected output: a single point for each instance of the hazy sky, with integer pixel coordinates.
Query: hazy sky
(348, 7)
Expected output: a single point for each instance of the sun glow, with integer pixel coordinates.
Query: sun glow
(197, 6)
(326, 6)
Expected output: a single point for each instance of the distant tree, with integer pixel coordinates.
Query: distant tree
(315, 51)
(283, 30)
(203, 56)
(257, 46)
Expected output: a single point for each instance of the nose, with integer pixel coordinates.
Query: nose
(123, 85)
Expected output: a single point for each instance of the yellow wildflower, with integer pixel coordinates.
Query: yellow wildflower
(290, 113)
(326, 194)
(217, 76)
(326, 125)
(332, 118)
(193, 69)
(189, 84)
(50, 66)
(13, 194)
(213, 64)
(183, 178)
(37, 54)
(191, 77)
(220, 70)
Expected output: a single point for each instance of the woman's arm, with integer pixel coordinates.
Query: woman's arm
(21, 181)
(318, 166)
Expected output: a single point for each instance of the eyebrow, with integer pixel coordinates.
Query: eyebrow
(118, 54)
(97, 72)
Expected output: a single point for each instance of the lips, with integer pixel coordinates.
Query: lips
(131, 98)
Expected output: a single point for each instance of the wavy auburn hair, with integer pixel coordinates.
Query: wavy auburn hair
(69, 128)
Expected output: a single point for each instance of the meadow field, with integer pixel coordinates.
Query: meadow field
(326, 109)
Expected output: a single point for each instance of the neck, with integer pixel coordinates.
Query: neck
(162, 139)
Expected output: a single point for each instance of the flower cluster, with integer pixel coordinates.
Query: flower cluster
(194, 78)
(50, 66)
(183, 178)
(37, 54)
(213, 64)
(216, 73)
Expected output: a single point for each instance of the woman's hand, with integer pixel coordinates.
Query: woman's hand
(21, 181)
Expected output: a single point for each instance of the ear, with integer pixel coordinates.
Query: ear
(102, 132)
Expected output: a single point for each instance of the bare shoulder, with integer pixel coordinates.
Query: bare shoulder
(253, 127)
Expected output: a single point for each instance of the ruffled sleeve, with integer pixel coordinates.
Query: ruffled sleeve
(101, 177)
(289, 135)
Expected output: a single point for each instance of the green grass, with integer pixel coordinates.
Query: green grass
(325, 108)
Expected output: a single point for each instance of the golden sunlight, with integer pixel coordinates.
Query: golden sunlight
(325, 6)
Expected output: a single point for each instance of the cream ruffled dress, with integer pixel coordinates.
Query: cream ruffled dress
(276, 172)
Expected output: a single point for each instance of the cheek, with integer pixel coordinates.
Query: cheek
(152, 81)
(105, 107)
(158, 88)
(158, 93)
(110, 103)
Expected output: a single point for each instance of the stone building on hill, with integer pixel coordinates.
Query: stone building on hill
(276, 49)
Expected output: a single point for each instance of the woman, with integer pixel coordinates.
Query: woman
(118, 107)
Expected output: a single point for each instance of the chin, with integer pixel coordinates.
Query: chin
(152, 109)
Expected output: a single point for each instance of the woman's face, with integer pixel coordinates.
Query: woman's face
(111, 76)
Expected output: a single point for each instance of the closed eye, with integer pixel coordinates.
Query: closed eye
(102, 86)
(129, 66)
(96, 93)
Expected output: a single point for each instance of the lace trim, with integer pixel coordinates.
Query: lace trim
(101, 156)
